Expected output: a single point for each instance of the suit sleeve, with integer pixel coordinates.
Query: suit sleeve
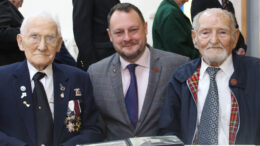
(64, 57)
(6, 140)
(7, 31)
(91, 129)
(169, 122)
(176, 37)
(83, 15)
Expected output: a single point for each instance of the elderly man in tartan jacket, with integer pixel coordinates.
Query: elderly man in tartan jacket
(227, 114)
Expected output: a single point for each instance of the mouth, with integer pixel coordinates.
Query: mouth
(215, 48)
(129, 45)
(41, 54)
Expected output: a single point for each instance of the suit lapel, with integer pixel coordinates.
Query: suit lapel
(154, 76)
(61, 96)
(24, 98)
(116, 80)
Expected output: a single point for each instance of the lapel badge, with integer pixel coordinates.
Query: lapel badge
(23, 95)
(22, 88)
(77, 92)
(62, 95)
(62, 89)
(155, 70)
(114, 70)
(26, 104)
(233, 81)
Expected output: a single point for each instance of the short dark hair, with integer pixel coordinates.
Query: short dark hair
(125, 7)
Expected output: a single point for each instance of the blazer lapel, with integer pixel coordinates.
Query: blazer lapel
(154, 76)
(61, 96)
(24, 98)
(116, 80)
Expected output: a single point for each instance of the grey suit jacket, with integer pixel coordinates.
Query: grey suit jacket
(108, 92)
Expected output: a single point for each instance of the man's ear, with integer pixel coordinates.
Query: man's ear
(145, 28)
(109, 34)
(19, 39)
(194, 40)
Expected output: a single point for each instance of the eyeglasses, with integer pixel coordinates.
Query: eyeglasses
(36, 38)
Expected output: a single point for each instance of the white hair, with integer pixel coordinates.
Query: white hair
(214, 10)
(45, 14)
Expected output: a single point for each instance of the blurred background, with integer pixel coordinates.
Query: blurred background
(247, 14)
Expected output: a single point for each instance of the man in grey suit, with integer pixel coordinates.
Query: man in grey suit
(130, 100)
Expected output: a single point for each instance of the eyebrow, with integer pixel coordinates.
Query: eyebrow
(223, 27)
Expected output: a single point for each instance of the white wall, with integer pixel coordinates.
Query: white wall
(63, 8)
(148, 9)
(237, 6)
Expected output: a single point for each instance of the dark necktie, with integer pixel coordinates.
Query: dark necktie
(131, 99)
(42, 113)
(225, 4)
(208, 128)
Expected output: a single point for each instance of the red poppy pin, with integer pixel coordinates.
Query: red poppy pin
(155, 70)
(233, 81)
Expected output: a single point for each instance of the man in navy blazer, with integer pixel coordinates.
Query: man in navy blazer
(89, 27)
(10, 22)
(68, 91)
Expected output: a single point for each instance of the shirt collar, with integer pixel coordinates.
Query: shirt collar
(227, 66)
(33, 70)
(143, 61)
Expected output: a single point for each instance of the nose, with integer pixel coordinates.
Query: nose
(214, 38)
(126, 36)
(42, 44)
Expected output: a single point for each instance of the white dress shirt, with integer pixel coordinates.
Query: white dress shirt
(142, 76)
(224, 92)
(47, 82)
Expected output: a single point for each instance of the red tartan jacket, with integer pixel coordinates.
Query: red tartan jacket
(179, 113)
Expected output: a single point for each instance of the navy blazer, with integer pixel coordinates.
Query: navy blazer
(89, 27)
(16, 109)
(179, 113)
(10, 22)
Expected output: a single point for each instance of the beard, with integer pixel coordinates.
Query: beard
(139, 50)
(132, 56)
(215, 54)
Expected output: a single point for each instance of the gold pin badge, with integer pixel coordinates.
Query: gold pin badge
(62, 95)
(62, 89)
(77, 92)
(26, 104)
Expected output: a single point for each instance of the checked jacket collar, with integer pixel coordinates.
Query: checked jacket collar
(193, 82)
